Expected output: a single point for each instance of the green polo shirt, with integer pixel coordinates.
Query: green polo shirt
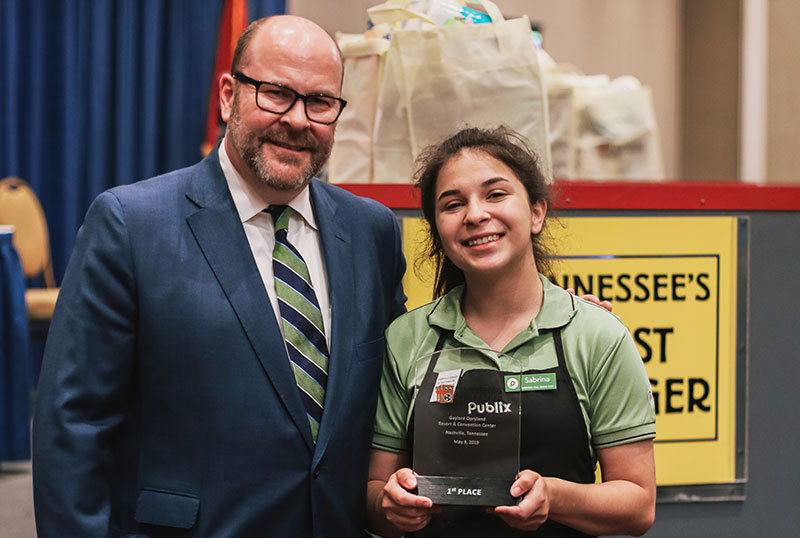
(608, 374)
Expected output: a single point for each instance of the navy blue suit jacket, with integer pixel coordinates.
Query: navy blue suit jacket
(167, 406)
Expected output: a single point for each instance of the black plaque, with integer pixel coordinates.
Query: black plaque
(467, 426)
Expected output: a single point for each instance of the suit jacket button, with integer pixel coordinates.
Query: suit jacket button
(316, 473)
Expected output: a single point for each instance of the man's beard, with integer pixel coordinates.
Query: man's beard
(249, 145)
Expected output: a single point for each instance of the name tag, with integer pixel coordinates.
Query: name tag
(529, 382)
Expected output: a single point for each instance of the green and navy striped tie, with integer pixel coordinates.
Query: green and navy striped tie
(301, 318)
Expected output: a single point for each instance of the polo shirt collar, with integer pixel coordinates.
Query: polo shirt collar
(558, 308)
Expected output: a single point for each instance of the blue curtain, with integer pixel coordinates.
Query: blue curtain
(16, 375)
(98, 93)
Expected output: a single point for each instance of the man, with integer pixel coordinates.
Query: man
(171, 400)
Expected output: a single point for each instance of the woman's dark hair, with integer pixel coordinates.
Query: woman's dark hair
(508, 147)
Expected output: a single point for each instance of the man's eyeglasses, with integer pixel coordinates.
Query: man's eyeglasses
(279, 99)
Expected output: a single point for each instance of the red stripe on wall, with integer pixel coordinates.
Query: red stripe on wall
(727, 196)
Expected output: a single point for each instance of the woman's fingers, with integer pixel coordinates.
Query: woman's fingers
(534, 507)
(407, 511)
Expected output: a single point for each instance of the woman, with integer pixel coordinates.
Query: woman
(486, 201)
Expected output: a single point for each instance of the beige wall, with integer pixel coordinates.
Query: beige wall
(711, 90)
(335, 16)
(783, 92)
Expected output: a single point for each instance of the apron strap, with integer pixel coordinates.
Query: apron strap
(435, 356)
(586, 456)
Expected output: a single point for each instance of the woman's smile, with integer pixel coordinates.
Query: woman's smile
(481, 240)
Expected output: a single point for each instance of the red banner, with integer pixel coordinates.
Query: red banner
(231, 26)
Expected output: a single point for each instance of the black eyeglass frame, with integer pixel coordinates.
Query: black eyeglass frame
(297, 95)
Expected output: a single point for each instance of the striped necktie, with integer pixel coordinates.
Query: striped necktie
(301, 318)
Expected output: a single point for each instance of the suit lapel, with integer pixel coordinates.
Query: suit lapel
(219, 233)
(338, 252)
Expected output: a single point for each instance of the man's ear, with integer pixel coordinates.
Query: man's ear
(226, 83)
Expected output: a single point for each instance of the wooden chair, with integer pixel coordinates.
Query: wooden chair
(20, 208)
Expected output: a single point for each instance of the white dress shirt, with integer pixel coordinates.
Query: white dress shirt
(260, 230)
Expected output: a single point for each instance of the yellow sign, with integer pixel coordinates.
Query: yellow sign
(672, 280)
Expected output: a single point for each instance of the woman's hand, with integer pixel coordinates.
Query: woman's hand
(534, 508)
(391, 507)
(593, 299)
(403, 509)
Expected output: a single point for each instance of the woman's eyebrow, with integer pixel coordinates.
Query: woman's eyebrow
(485, 183)
(450, 192)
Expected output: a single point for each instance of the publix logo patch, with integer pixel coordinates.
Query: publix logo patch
(527, 382)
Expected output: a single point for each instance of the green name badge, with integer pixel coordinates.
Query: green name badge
(527, 382)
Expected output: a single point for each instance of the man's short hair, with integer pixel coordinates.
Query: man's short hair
(243, 42)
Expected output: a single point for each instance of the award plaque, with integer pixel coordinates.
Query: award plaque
(466, 429)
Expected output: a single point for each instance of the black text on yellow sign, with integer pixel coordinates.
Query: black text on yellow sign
(669, 303)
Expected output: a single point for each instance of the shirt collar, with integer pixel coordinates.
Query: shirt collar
(558, 308)
(250, 203)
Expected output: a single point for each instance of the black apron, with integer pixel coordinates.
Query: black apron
(553, 443)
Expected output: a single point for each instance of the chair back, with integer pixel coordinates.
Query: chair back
(20, 208)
